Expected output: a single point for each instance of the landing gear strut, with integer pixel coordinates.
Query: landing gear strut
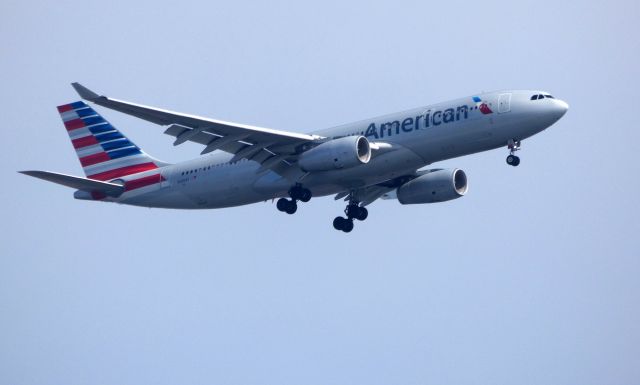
(353, 211)
(300, 193)
(297, 193)
(513, 145)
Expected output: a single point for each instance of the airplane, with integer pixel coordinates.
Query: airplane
(385, 157)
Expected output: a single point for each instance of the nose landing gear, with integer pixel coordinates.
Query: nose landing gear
(297, 193)
(352, 211)
(513, 145)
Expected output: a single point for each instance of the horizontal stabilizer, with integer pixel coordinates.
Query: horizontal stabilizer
(83, 184)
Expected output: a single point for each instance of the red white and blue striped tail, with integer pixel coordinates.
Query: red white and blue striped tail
(104, 153)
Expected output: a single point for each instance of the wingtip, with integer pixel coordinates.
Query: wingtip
(84, 92)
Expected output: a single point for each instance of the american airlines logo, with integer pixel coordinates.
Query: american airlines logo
(425, 120)
(484, 108)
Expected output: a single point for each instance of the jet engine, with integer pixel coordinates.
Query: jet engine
(346, 152)
(435, 186)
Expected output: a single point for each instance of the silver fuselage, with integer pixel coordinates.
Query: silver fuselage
(408, 141)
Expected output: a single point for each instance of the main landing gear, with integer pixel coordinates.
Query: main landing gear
(353, 211)
(297, 193)
(513, 145)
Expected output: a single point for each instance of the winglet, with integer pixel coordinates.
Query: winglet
(84, 92)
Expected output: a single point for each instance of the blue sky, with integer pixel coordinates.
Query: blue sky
(531, 278)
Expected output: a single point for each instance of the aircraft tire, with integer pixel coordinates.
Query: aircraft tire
(305, 195)
(352, 211)
(282, 204)
(362, 214)
(347, 225)
(291, 208)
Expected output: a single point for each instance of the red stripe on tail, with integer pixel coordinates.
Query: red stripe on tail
(142, 182)
(94, 158)
(65, 108)
(118, 172)
(84, 141)
(74, 124)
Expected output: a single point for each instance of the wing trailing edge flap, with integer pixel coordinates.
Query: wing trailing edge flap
(365, 195)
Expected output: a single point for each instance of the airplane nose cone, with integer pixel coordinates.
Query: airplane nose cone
(561, 108)
(555, 110)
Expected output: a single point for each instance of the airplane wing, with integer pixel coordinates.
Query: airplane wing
(263, 145)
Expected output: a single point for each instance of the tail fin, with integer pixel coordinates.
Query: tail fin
(103, 151)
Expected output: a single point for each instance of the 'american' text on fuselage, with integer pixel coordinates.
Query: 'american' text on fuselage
(425, 120)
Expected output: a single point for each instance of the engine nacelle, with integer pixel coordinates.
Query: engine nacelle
(346, 152)
(436, 186)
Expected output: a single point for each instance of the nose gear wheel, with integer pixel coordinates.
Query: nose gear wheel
(513, 145)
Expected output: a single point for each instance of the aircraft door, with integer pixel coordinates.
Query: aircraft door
(504, 103)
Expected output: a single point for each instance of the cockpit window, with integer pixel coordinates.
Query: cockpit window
(541, 96)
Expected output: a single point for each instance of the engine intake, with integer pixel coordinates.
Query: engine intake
(346, 152)
(436, 186)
